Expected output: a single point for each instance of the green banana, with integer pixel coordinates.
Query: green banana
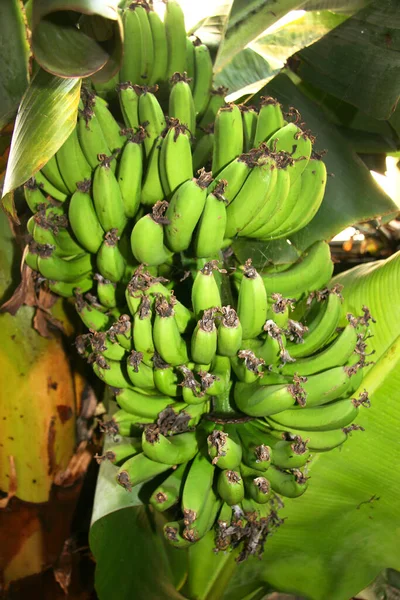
(147, 237)
(197, 487)
(228, 136)
(175, 30)
(285, 454)
(139, 373)
(106, 291)
(210, 232)
(320, 330)
(313, 183)
(298, 143)
(111, 129)
(252, 302)
(311, 272)
(109, 260)
(184, 211)
(120, 452)
(203, 149)
(129, 103)
(289, 194)
(215, 102)
(160, 49)
(72, 163)
(91, 136)
(67, 289)
(139, 469)
(205, 290)
(189, 70)
(151, 116)
(33, 195)
(49, 188)
(124, 424)
(270, 119)
(235, 174)
(132, 56)
(272, 205)
(205, 521)
(152, 190)
(203, 75)
(291, 484)
(249, 123)
(256, 191)
(221, 375)
(107, 197)
(165, 378)
(247, 367)
(181, 103)
(224, 448)
(317, 441)
(176, 449)
(167, 338)
(334, 415)
(143, 331)
(230, 332)
(93, 318)
(52, 173)
(336, 354)
(256, 451)
(176, 163)
(147, 54)
(257, 486)
(167, 494)
(137, 403)
(111, 372)
(58, 269)
(130, 170)
(230, 486)
(204, 339)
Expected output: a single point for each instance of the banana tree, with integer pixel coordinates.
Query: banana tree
(246, 60)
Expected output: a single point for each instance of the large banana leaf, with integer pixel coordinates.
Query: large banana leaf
(14, 52)
(362, 50)
(78, 38)
(46, 117)
(265, 56)
(247, 20)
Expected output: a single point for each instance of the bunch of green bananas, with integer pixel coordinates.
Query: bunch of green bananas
(226, 382)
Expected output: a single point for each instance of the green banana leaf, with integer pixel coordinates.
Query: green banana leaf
(77, 38)
(46, 117)
(247, 20)
(351, 193)
(14, 51)
(342, 532)
(265, 56)
(133, 559)
(365, 48)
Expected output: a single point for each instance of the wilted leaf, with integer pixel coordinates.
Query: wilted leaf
(14, 50)
(77, 39)
(359, 61)
(46, 117)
